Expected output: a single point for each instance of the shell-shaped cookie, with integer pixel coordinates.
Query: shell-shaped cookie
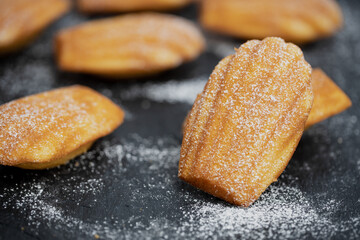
(111, 6)
(329, 99)
(50, 128)
(22, 20)
(298, 21)
(245, 125)
(128, 46)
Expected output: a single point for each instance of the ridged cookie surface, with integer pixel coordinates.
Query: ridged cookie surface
(50, 127)
(245, 125)
(111, 6)
(297, 21)
(22, 20)
(329, 99)
(128, 46)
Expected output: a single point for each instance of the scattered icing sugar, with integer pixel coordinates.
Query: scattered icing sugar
(184, 91)
(280, 205)
(27, 79)
(283, 211)
(222, 48)
(42, 203)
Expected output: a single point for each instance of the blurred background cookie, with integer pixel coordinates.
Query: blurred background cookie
(128, 46)
(298, 21)
(329, 99)
(48, 129)
(112, 6)
(22, 20)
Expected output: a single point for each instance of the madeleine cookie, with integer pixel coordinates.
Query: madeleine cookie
(111, 6)
(22, 20)
(329, 99)
(128, 46)
(246, 124)
(297, 21)
(48, 129)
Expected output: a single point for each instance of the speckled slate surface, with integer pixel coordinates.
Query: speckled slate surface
(126, 186)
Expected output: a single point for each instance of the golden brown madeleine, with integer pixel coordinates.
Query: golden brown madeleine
(247, 122)
(329, 99)
(112, 6)
(297, 21)
(50, 128)
(22, 20)
(128, 46)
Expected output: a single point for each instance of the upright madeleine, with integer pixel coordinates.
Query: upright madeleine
(128, 46)
(297, 21)
(111, 6)
(329, 99)
(22, 20)
(246, 124)
(50, 128)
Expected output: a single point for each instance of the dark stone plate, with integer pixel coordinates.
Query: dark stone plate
(126, 186)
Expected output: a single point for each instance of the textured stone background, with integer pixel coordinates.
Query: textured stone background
(126, 187)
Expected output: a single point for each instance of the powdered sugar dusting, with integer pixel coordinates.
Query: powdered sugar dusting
(250, 111)
(282, 204)
(22, 80)
(283, 211)
(184, 91)
(222, 48)
(102, 194)
(38, 127)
